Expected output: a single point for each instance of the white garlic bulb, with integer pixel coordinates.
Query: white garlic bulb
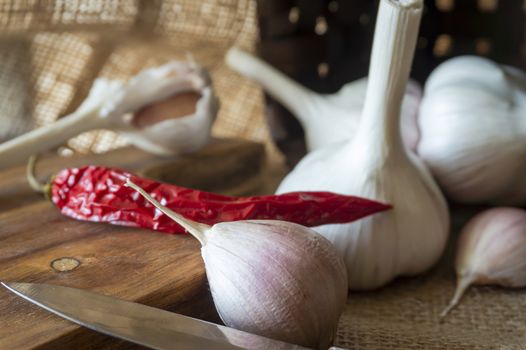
(272, 278)
(473, 130)
(410, 238)
(491, 250)
(165, 110)
(326, 119)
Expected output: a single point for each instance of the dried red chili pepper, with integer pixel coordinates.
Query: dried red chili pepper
(98, 194)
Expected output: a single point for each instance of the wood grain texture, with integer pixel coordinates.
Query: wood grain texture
(159, 270)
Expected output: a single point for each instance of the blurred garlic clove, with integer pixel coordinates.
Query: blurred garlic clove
(326, 118)
(153, 110)
(491, 250)
(472, 122)
(272, 278)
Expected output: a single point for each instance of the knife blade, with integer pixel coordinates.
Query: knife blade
(138, 323)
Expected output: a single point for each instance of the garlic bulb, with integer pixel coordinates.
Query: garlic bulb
(410, 238)
(166, 110)
(491, 250)
(473, 130)
(326, 119)
(273, 278)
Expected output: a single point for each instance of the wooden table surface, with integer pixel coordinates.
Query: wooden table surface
(164, 271)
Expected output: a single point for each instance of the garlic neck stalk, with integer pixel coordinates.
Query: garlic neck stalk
(196, 229)
(391, 59)
(326, 119)
(295, 97)
(47, 137)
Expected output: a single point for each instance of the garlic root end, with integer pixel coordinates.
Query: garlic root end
(194, 228)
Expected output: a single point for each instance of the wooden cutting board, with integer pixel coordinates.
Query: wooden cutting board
(38, 244)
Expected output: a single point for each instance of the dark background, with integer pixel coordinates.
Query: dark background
(325, 44)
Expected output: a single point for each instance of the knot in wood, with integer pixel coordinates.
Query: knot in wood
(65, 264)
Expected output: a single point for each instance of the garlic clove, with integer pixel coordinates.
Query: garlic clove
(273, 278)
(491, 249)
(285, 287)
(111, 104)
(326, 119)
(473, 130)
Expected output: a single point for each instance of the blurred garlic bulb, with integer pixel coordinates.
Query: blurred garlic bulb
(491, 250)
(272, 278)
(473, 130)
(165, 110)
(410, 238)
(326, 119)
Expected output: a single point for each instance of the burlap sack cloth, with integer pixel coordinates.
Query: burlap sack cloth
(50, 53)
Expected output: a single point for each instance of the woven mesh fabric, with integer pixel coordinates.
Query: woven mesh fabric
(51, 51)
(405, 315)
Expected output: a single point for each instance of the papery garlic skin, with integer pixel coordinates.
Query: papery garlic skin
(172, 136)
(491, 250)
(407, 240)
(473, 130)
(179, 135)
(326, 119)
(411, 237)
(288, 283)
(110, 104)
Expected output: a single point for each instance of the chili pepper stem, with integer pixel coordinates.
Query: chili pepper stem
(196, 229)
(31, 178)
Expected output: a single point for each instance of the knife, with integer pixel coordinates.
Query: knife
(140, 324)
